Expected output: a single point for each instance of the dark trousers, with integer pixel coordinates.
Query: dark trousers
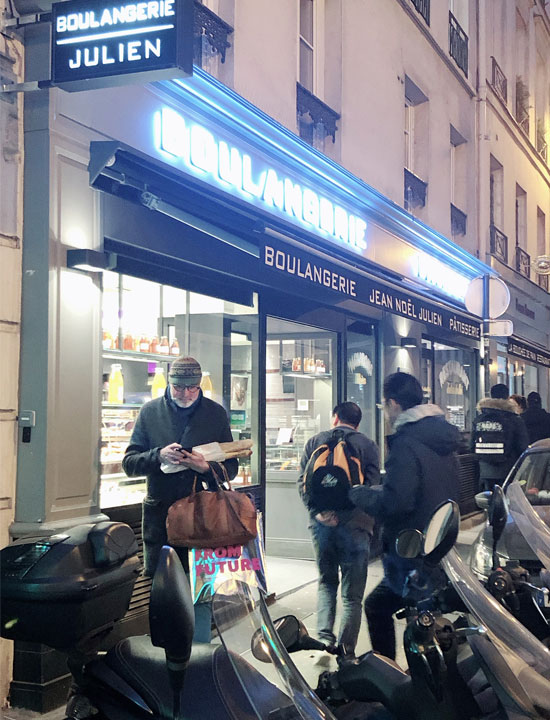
(380, 605)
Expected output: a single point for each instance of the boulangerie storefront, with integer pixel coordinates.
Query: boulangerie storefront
(178, 218)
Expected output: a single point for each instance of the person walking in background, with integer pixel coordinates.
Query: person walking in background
(421, 473)
(499, 436)
(537, 420)
(341, 538)
(521, 402)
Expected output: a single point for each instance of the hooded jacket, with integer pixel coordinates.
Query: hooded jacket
(499, 436)
(421, 473)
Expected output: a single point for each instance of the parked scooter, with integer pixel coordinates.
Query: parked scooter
(69, 590)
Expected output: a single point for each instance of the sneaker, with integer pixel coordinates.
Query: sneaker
(320, 658)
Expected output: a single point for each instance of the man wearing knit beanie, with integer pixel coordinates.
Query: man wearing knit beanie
(165, 431)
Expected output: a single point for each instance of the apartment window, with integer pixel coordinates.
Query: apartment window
(458, 33)
(210, 34)
(543, 280)
(521, 217)
(522, 66)
(458, 182)
(316, 120)
(498, 240)
(415, 145)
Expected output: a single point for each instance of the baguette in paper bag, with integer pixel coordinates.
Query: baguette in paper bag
(216, 452)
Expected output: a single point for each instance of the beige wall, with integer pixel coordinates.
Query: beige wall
(11, 177)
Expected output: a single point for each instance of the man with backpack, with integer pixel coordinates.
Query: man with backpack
(332, 462)
(421, 473)
(499, 436)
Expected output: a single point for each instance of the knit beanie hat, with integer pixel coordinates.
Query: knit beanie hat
(185, 371)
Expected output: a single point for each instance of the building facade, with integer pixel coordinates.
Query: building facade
(303, 214)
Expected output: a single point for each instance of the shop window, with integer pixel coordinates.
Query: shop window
(300, 393)
(145, 326)
(361, 375)
(448, 380)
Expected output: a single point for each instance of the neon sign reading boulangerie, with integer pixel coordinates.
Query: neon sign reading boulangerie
(235, 170)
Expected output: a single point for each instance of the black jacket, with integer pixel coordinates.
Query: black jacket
(159, 424)
(537, 422)
(499, 436)
(421, 472)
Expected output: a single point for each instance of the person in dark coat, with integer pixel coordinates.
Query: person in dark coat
(499, 436)
(165, 431)
(537, 420)
(421, 473)
(341, 539)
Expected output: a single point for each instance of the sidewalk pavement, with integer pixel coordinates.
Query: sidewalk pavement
(294, 583)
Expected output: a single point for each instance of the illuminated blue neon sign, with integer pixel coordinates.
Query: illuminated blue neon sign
(215, 161)
(433, 272)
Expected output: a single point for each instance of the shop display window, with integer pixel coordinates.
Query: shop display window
(145, 326)
(448, 380)
(300, 392)
(361, 375)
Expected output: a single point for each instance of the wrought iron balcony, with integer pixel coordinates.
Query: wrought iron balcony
(415, 191)
(458, 44)
(499, 244)
(543, 281)
(458, 221)
(210, 35)
(314, 115)
(499, 81)
(523, 262)
(423, 7)
(542, 145)
(522, 105)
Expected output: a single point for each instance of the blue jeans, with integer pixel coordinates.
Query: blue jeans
(346, 550)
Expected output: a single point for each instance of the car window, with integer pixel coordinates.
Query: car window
(534, 477)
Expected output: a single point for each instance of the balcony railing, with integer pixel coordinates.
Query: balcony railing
(499, 244)
(314, 116)
(522, 105)
(458, 221)
(210, 35)
(542, 145)
(415, 191)
(458, 44)
(543, 281)
(423, 8)
(523, 262)
(499, 81)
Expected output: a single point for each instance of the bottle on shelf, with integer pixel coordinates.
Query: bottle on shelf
(155, 345)
(107, 340)
(296, 364)
(206, 385)
(128, 342)
(175, 347)
(159, 383)
(164, 346)
(144, 344)
(115, 393)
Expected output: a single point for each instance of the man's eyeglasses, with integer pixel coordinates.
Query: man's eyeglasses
(190, 389)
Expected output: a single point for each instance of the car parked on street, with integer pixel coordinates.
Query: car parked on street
(532, 472)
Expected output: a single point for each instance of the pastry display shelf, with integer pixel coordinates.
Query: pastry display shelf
(136, 356)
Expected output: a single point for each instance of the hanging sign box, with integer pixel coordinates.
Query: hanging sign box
(97, 44)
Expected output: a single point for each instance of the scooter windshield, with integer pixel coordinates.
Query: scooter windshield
(529, 522)
(501, 626)
(274, 687)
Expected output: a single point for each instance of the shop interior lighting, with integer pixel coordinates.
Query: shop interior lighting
(409, 342)
(90, 260)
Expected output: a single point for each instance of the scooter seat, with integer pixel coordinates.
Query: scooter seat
(211, 686)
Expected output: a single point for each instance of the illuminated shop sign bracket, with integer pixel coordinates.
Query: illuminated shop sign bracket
(96, 43)
(216, 161)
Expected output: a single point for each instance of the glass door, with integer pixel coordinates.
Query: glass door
(301, 391)
(361, 374)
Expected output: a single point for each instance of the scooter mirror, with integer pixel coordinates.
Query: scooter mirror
(497, 513)
(409, 543)
(482, 499)
(293, 634)
(441, 532)
(258, 646)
